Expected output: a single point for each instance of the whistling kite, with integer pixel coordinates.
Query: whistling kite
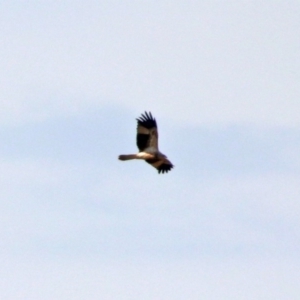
(147, 142)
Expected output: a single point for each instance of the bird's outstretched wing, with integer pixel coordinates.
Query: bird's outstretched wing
(147, 134)
(162, 165)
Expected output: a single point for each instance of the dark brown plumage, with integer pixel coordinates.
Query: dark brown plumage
(147, 143)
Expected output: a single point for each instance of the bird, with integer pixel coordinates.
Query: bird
(147, 143)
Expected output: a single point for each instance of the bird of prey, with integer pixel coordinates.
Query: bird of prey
(147, 142)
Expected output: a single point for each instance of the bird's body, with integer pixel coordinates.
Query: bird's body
(147, 142)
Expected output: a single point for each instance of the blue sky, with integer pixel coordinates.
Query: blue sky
(222, 80)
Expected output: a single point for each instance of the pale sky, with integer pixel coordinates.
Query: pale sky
(221, 78)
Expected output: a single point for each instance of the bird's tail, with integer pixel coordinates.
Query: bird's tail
(127, 156)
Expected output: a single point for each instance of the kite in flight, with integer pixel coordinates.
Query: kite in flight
(147, 142)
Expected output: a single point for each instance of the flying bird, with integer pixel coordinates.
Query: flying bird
(147, 142)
